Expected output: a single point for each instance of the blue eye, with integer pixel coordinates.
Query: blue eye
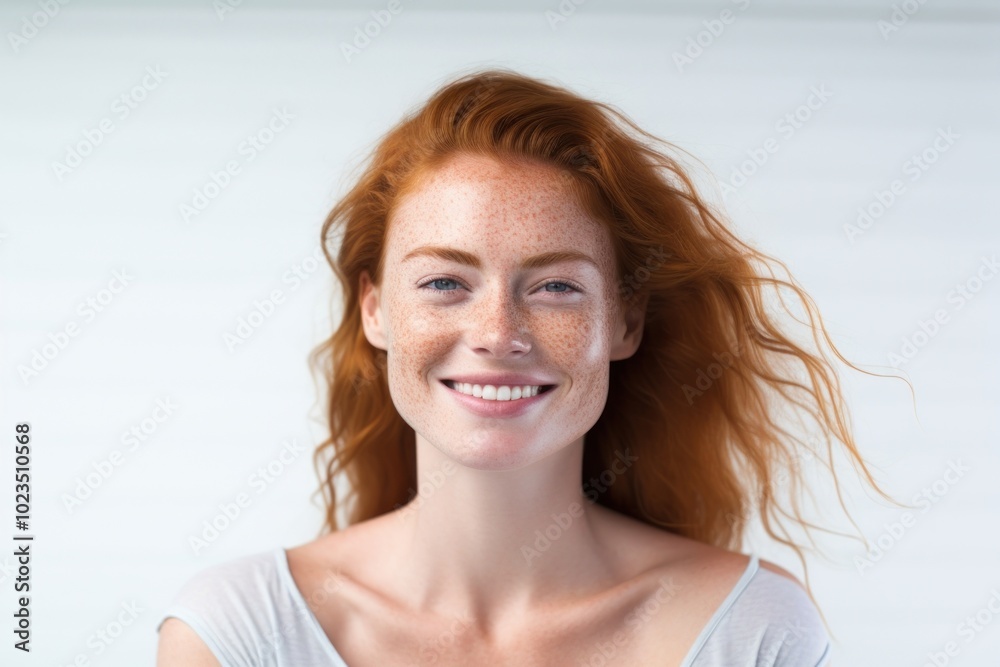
(429, 285)
(440, 280)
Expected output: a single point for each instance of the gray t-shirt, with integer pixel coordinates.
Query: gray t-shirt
(250, 613)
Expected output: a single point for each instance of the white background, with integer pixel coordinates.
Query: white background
(162, 336)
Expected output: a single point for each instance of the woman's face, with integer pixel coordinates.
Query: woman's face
(457, 299)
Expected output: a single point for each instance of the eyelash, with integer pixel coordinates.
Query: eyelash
(573, 287)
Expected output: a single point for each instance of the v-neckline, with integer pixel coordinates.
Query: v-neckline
(281, 556)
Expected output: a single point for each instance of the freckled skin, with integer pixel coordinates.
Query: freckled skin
(497, 319)
(486, 486)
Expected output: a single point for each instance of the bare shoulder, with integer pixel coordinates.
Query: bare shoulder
(685, 580)
(655, 549)
(336, 550)
(180, 646)
(346, 561)
(683, 551)
(724, 565)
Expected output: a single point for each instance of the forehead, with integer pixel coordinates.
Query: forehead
(527, 207)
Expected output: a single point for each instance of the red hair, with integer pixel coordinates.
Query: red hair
(701, 401)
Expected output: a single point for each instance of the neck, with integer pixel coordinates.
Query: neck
(487, 543)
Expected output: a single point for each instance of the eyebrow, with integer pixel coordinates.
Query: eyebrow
(533, 262)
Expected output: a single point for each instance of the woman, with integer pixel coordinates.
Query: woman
(555, 396)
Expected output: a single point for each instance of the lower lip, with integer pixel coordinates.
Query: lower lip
(487, 408)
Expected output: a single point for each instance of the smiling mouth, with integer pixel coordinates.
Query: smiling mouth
(501, 393)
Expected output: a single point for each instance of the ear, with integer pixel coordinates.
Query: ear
(628, 332)
(371, 312)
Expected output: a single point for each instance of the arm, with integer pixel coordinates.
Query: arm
(180, 646)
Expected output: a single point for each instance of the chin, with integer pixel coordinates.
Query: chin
(492, 451)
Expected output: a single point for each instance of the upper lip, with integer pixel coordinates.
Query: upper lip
(501, 379)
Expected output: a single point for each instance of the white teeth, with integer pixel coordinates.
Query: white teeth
(490, 392)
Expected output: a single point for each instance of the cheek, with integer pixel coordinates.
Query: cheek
(419, 337)
(572, 338)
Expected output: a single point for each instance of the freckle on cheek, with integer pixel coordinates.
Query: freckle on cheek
(502, 216)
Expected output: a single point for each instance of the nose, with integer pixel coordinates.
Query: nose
(498, 326)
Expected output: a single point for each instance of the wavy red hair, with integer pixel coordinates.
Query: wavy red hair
(701, 403)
